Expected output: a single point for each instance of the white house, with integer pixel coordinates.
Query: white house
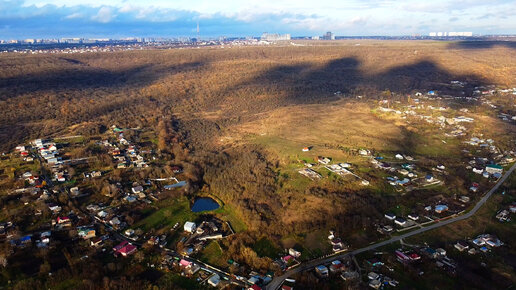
(400, 221)
(189, 227)
(390, 216)
(413, 217)
(294, 253)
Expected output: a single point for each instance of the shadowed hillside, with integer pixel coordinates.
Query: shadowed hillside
(44, 94)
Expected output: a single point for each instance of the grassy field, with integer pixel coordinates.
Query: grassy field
(328, 129)
(13, 167)
(227, 213)
(265, 248)
(170, 212)
(212, 254)
(174, 211)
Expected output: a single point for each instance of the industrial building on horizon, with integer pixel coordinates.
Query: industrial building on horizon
(275, 36)
(450, 34)
(328, 36)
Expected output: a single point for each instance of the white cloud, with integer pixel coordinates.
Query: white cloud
(299, 17)
(358, 20)
(75, 15)
(104, 15)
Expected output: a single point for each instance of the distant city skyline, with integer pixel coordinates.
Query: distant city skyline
(136, 18)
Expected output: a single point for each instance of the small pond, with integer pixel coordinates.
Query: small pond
(204, 204)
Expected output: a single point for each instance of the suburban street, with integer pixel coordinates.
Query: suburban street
(277, 282)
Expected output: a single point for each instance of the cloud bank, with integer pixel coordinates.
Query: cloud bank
(162, 18)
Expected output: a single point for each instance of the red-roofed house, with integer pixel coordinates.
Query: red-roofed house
(127, 250)
(185, 263)
(120, 246)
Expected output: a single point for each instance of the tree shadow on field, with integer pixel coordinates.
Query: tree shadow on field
(481, 44)
(303, 84)
(78, 76)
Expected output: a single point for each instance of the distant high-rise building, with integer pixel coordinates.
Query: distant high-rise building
(329, 36)
(275, 36)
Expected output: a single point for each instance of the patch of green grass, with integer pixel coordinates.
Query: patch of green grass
(282, 147)
(174, 211)
(76, 140)
(171, 212)
(212, 255)
(171, 281)
(228, 213)
(67, 284)
(265, 248)
(400, 210)
(297, 182)
(316, 244)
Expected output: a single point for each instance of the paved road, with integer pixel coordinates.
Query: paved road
(276, 282)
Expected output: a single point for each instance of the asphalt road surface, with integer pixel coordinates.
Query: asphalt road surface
(278, 281)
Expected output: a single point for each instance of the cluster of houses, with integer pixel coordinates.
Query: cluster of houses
(415, 112)
(504, 215)
(377, 281)
(487, 170)
(34, 180)
(289, 260)
(24, 153)
(42, 240)
(429, 212)
(344, 269)
(399, 221)
(342, 169)
(200, 234)
(128, 157)
(310, 173)
(410, 259)
(169, 261)
(483, 243)
(407, 177)
(47, 150)
(439, 255)
(337, 244)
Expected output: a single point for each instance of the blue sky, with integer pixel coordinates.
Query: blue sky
(171, 18)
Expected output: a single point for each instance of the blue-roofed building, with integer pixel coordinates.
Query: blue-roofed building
(440, 208)
(322, 270)
(26, 239)
(171, 186)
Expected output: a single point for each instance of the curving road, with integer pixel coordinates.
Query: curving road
(278, 281)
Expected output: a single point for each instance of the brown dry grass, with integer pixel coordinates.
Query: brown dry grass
(323, 126)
